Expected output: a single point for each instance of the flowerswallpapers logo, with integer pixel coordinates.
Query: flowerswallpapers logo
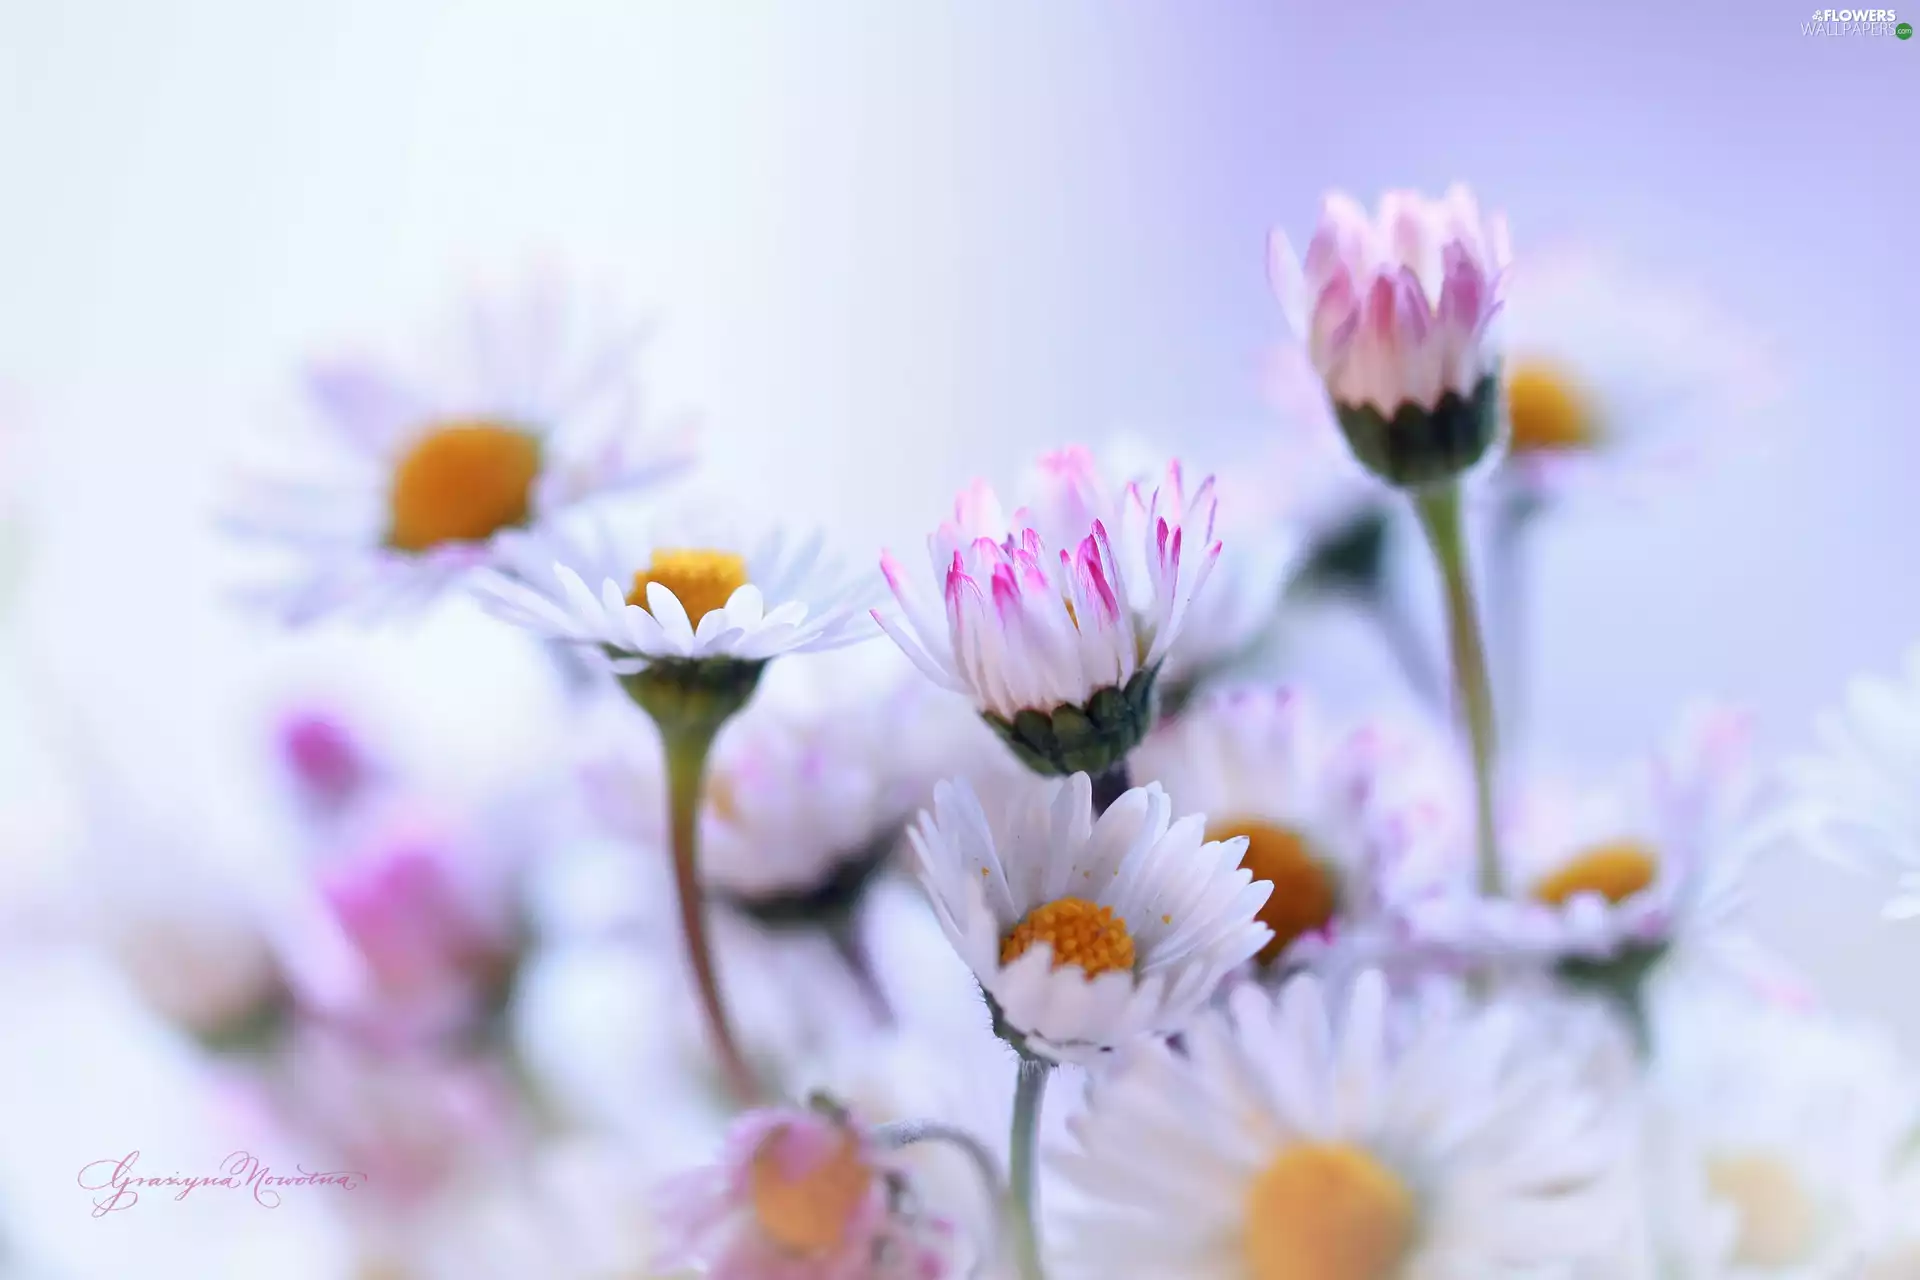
(116, 1187)
(1856, 22)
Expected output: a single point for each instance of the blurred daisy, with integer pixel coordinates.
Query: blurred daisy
(1343, 825)
(801, 1195)
(530, 409)
(1779, 1142)
(636, 606)
(1055, 638)
(1618, 875)
(1858, 796)
(1086, 933)
(1315, 1143)
(807, 791)
(1609, 371)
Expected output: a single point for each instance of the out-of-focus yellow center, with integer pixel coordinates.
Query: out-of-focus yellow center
(462, 482)
(1305, 894)
(1081, 933)
(1616, 871)
(1778, 1219)
(808, 1213)
(1328, 1211)
(701, 581)
(1547, 410)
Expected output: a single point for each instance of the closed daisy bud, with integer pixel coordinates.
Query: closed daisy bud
(1394, 308)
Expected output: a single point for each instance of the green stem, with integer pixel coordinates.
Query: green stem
(687, 753)
(1440, 518)
(1024, 1202)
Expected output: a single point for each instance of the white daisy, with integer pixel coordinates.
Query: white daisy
(1778, 1141)
(1611, 373)
(1290, 1142)
(632, 606)
(1624, 871)
(1342, 824)
(530, 409)
(1859, 795)
(1086, 933)
(1051, 633)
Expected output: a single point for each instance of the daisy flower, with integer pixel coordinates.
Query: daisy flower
(1086, 933)
(1779, 1142)
(1624, 870)
(1394, 309)
(1608, 371)
(800, 1195)
(806, 792)
(1055, 637)
(1343, 824)
(526, 410)
(1315, 1143)
(636, 606)
(1859, 794)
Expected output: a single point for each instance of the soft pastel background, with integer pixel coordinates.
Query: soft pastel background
(892, 246)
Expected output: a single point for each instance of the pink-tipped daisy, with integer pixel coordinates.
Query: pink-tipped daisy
(1394, 308)
(1055, 637)
(800, 1195)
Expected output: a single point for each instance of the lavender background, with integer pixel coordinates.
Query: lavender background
(893, 246)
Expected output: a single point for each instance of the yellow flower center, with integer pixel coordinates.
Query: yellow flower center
(1081, 933)
(701, 581)
(808, 1212)
(1305, 893)
(1778, 1221)
(462, 482)
(1548, 412)
(1616, 871)
(1327, 1211)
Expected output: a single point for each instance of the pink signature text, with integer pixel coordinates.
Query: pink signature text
(117, 1186)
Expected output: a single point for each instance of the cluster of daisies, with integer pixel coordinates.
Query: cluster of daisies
(1320, 996)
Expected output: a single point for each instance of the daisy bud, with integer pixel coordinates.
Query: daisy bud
(1394, 309)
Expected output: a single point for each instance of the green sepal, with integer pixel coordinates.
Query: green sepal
(1092, 738)
(1418, 446)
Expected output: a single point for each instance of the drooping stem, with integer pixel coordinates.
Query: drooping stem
(908, 1132)
(1440, 518)
(687, 753)
(1023, 1209)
